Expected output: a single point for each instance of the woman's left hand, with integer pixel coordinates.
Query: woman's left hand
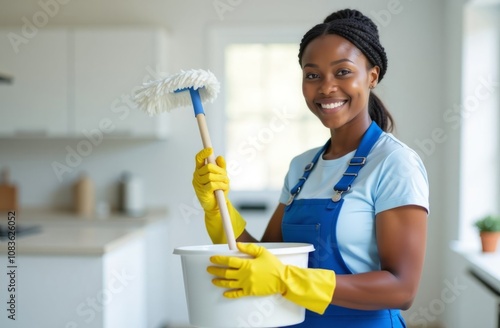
(264, 274)
(258, 276)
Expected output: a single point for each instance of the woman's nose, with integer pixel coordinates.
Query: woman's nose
(328, 86)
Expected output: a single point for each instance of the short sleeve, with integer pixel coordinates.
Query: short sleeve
(403, 181)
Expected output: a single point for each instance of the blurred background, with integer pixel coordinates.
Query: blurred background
(104, 191)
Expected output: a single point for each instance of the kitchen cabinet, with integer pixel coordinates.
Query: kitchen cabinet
(110, 65)
(78, 272)
(80, 82)
(478, 291)
(486, 315)
(88, 290)
(36, 103)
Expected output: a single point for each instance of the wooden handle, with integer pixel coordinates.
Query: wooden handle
(219, 194)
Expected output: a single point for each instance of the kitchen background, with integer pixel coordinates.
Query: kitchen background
(441, 86)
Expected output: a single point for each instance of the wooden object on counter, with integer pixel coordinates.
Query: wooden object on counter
(84, 199)
(8, 193)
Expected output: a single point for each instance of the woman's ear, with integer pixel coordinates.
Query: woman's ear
(373, 74)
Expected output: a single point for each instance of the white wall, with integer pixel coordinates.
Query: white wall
(413, 89)
(450, 168)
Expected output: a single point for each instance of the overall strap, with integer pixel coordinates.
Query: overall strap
(307, 170)
(357, 161)
(355, 164)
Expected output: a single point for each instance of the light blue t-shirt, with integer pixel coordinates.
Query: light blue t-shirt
(393, 176)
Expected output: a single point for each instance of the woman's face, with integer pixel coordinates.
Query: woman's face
(336, 81)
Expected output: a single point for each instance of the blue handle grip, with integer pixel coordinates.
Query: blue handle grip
(195, 99)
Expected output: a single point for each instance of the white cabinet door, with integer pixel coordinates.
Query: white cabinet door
(36, 102)
(479, 307)
(88, 290)
(110, 64)
(157, 271)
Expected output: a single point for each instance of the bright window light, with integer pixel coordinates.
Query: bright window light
(267, 120)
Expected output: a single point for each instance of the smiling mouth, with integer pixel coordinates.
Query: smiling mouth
(333, 105)
(329, 106)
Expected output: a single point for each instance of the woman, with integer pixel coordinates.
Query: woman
(361, 199)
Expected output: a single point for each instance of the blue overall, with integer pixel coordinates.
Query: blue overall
(314, 221)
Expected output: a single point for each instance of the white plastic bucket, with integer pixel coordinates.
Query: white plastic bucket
(208, 308)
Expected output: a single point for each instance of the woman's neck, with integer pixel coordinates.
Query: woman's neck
(346, 138)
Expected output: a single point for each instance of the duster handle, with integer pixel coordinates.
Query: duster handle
(219, 194)
(196, 100)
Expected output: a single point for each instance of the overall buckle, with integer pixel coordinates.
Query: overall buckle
(357, 161)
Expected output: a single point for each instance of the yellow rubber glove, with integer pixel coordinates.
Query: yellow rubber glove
(206, 179)
(264, 274)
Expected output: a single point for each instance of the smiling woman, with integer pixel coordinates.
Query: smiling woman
(361, 199)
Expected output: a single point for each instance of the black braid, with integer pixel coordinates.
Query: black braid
(363, 33)
(379, 113)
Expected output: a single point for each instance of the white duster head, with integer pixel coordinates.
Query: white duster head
(163, 95)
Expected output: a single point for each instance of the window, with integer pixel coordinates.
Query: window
(260, 120)
(267, 121)
(480, 121)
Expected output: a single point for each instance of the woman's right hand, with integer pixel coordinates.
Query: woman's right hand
(209, 177)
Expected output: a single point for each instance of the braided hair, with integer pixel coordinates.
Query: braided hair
(363, 33)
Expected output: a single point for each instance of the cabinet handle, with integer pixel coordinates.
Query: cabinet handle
(486, 284)
(6, 79)
(254, 207)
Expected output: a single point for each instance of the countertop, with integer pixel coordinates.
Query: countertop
(485, 265)
(64, 233)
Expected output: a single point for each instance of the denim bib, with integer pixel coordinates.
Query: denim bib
(314, 221)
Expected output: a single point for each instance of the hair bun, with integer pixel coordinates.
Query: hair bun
(343, 14)
(354, 15)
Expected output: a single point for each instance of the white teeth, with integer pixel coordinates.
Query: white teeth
(332, 105)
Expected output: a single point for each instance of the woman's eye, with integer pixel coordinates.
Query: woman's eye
(343, 72)
(311, 76)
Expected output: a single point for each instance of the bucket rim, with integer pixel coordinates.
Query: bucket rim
(276, 248)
